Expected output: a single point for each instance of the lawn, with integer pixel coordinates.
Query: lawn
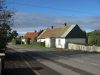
(41, 47)
(30, 45)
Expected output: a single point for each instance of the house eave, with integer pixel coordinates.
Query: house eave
(68, 31)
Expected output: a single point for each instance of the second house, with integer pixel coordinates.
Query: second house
(29, 37)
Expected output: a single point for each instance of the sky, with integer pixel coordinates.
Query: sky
(31, 15)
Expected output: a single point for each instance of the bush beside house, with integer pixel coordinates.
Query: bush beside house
(94, 38)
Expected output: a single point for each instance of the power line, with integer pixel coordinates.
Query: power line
(47, 7)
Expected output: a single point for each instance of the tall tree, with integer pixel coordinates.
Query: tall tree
(13, 35)
(5, 22)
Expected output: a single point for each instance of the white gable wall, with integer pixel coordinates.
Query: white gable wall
(50, 42)
(47, 42)
(60, 42)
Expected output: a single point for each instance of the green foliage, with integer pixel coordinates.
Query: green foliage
(5, 23)
(33, 40)
(12, 35)
(28, 41)
(94, 38)
(38, 44)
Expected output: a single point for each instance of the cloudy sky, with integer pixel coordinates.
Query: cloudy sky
(33, 15)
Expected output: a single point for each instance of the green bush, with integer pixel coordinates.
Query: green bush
(94, 38)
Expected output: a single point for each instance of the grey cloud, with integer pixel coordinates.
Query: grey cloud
(31, 21)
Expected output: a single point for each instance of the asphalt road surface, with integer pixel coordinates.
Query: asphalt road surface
(29, 61)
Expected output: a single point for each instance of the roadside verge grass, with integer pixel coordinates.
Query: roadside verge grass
(41, 47)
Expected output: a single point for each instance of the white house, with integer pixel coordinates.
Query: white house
(60, 37)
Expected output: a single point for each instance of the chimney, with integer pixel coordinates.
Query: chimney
(35, 31)
(65, 24)
(52, 27)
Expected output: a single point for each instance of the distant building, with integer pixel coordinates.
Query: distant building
(60, 37)
(27, 38)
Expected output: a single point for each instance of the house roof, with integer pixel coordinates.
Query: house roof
(56, 32)
(31, 35)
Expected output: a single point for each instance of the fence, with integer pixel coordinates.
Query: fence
(72, 46)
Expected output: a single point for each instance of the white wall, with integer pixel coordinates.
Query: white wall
(24, 41)
(40, 40)
(60, 42)
(47, 42)
(64, 42)
(50, 42)
(72, 46)
(77, 40)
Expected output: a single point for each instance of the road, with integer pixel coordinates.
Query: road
(30, 61)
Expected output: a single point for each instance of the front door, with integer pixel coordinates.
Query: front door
(52, 42)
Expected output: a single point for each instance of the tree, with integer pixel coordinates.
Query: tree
(94, 38)
(12, 35)
(5, 23)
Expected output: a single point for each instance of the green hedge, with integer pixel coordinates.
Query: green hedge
(94, 38)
